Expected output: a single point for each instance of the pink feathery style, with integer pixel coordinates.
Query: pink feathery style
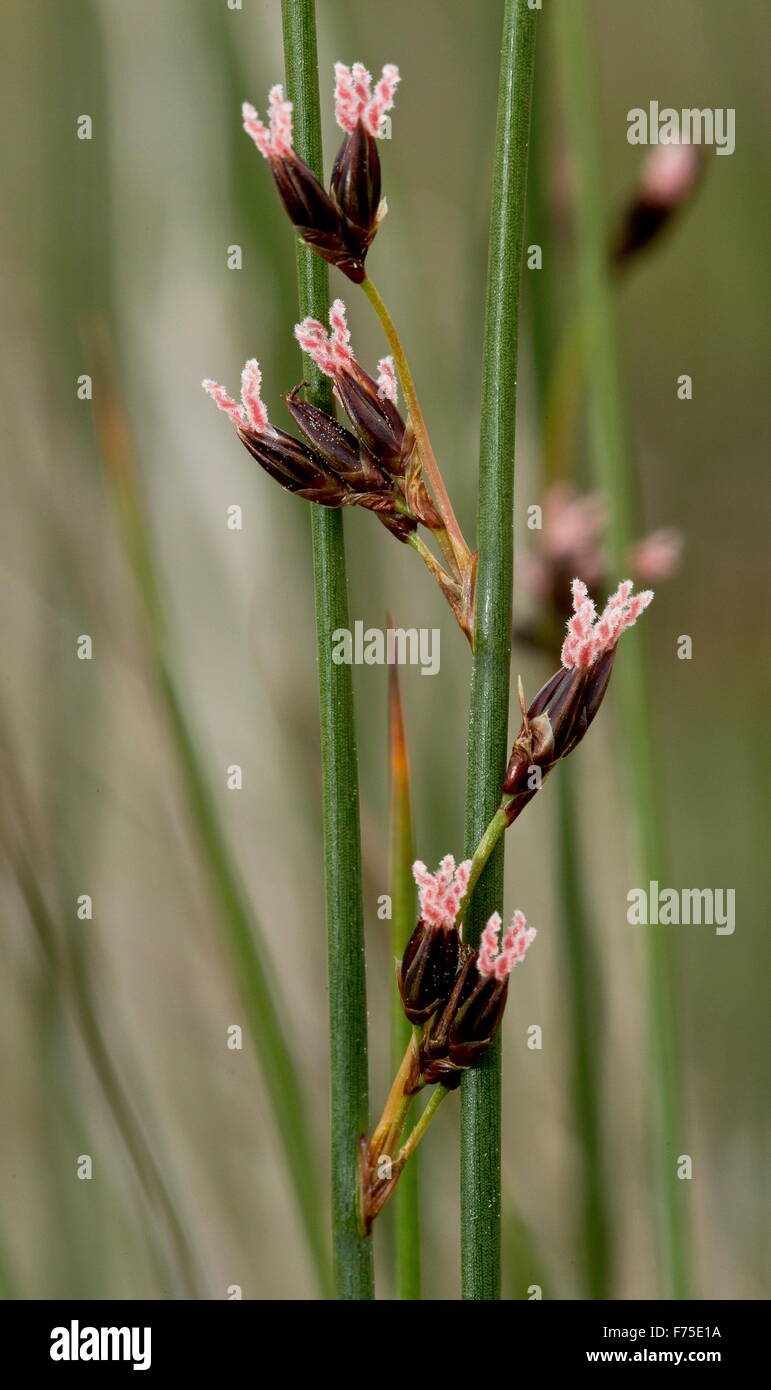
(589, 636)
(356, 102)
(330, 351)
(386, 380)
(440, 894)
(499, 963)
(251, 413)
(276, 142)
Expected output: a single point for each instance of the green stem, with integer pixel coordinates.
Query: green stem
(612, 464)
(489, 839)
(558, 389)
(157, 1190)
(416, 1133)
(488, 715)
(342, 839)
(583, 992)
(407, 1197)
(451, 539)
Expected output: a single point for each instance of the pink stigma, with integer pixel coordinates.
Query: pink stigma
(330, 351)
(386, 380)
(355, 101)
(225, 402)
(275, 143)
(440, 894)
(589, 637)
(499, 963)
(252, 414)
(251, 382)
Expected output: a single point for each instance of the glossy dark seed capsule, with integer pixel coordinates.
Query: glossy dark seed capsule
(427, 970)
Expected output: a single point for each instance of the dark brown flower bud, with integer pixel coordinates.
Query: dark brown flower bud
(427, 969)
(376, 421)
(295, 467)
(336, 445)
(310, 208)
(553, 726)
(670, 176)
(465, 1027)
(317, 218)
(355, 188)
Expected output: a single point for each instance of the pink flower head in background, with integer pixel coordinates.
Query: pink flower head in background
(500, 963)
(355, 101)
(670, 173)
(276, 142)
(589, 637)
(251, 413)
(330, 351)
(657, 555)
(571, 542)
(440, 894)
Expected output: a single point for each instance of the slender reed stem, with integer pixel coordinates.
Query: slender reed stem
(583, 993)
(407, 1197)
(416, 1133)
(487, 843)
(342, 840)
(558, 382)
(612, 464)
(259, 990)
(488, 715)
(185, 1268)
(457, 551)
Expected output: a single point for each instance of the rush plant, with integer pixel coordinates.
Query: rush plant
(455, 969)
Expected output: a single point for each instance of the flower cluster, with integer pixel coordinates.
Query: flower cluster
(366, 466)
(341, 224)
(571, 542)
(559, 716)
(458, 994)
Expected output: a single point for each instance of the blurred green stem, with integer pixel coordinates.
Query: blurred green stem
(259, 990)
(342, 839)
(557, 385)
(488, 714)
(66, 966)
(613, 469)
(407, 1197)
(583, 991)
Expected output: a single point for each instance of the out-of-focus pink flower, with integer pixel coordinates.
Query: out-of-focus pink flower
(656, 556)
(571, 542)
(670, 173)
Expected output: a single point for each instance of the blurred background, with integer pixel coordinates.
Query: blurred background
(113, 1029)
